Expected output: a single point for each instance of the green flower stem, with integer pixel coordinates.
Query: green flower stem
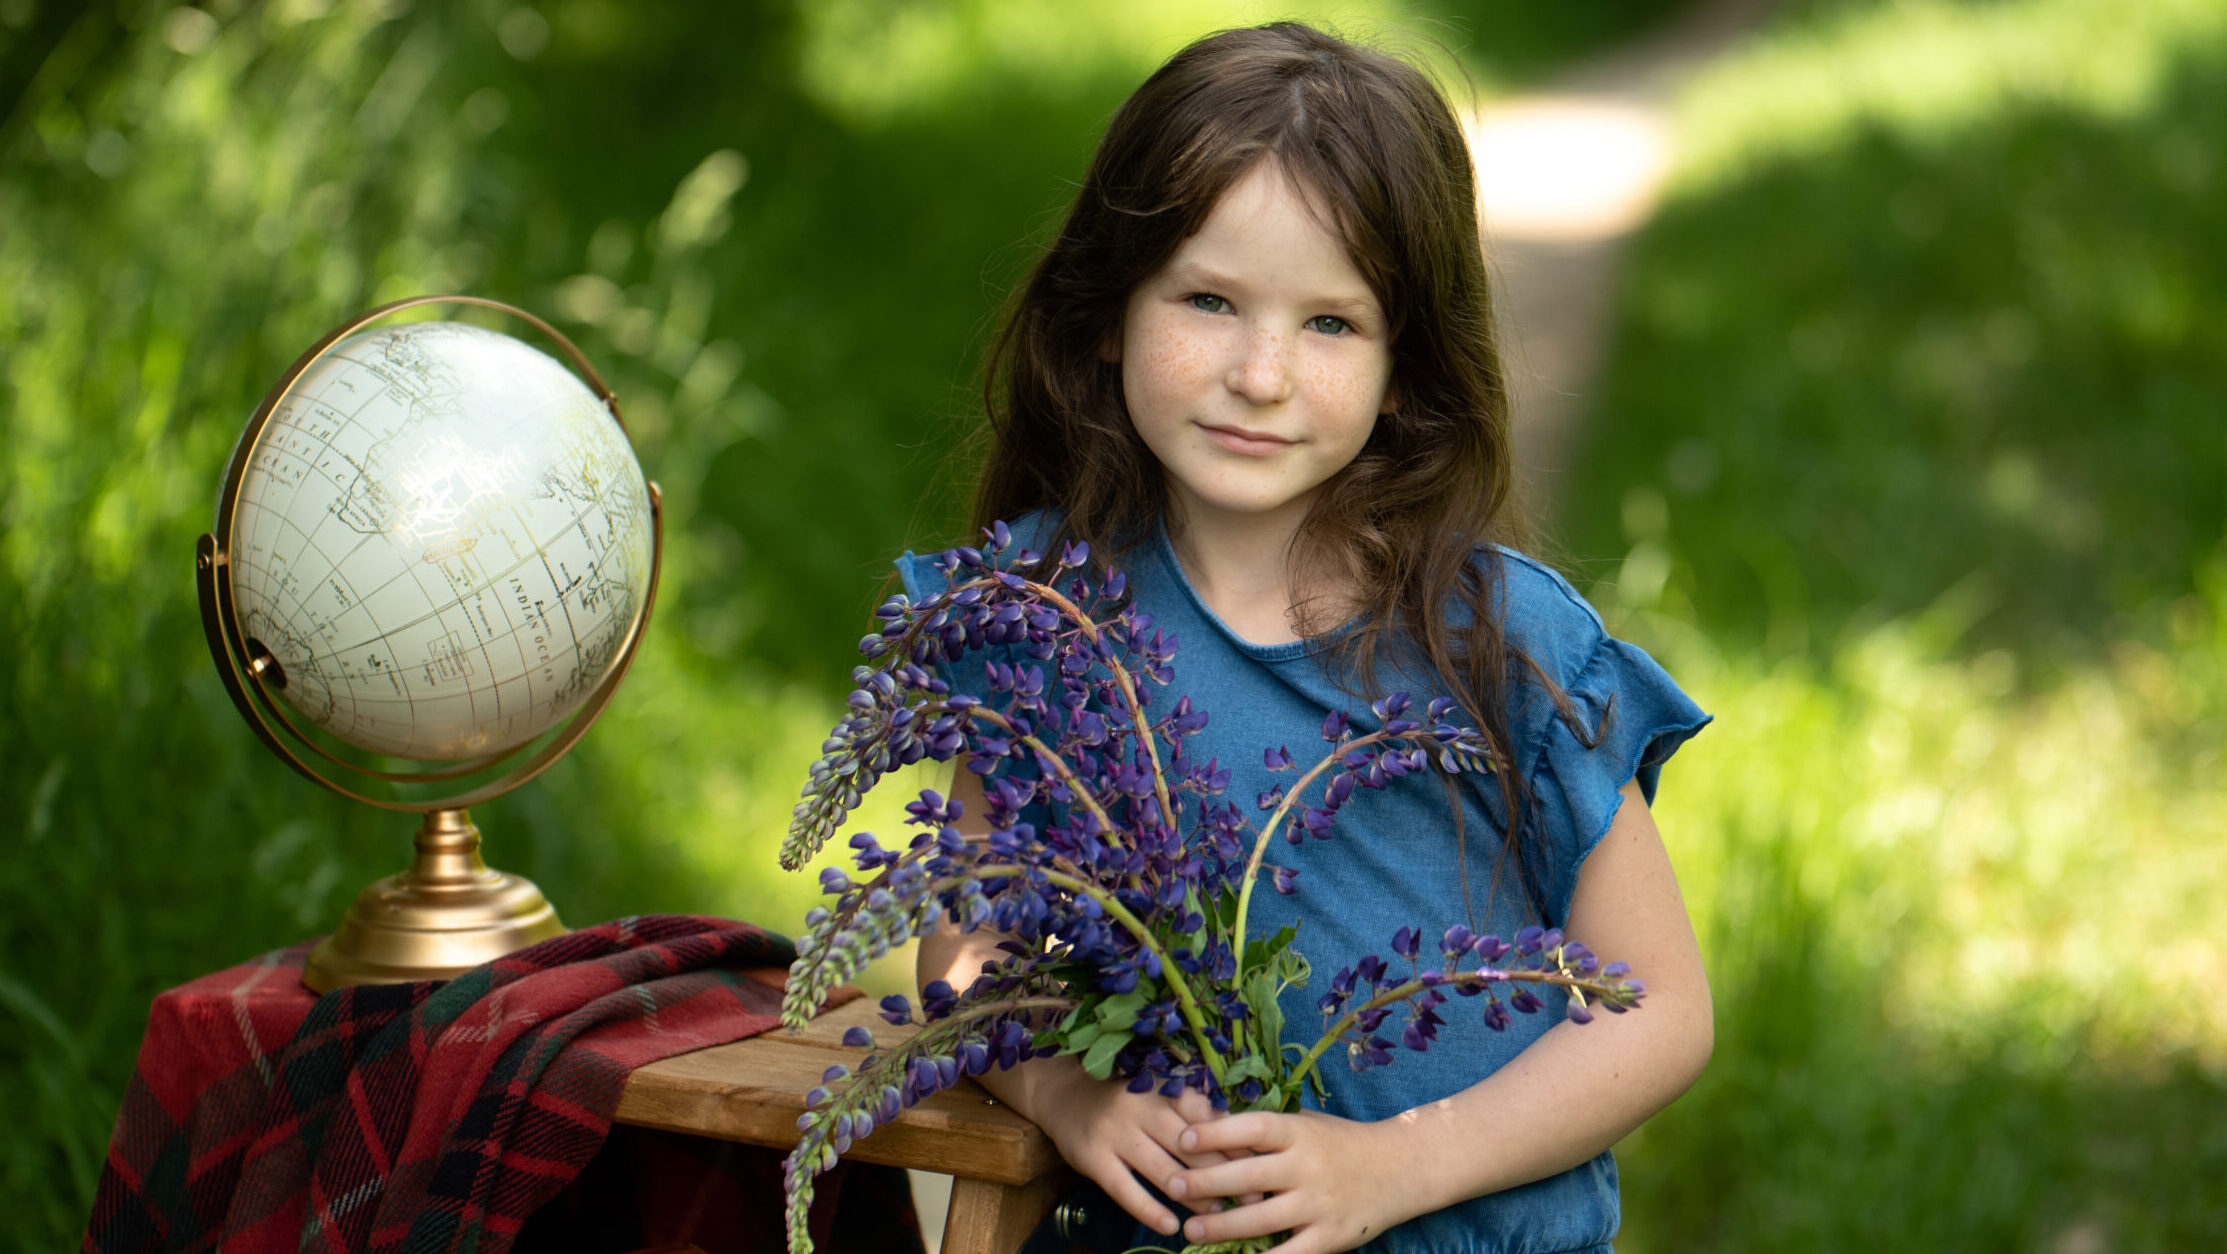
(1189, 1004)
(1128, 685)
(1059, 765)
(1268, 831)
(1042, 1001)
(1602, 989)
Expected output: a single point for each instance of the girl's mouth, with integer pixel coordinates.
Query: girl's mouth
(1248, 443)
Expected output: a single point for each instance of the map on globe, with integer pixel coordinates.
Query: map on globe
(442, 538)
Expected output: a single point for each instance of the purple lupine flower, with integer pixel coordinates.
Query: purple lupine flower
(857, 1037)
(1369, 970)
(1458, 941)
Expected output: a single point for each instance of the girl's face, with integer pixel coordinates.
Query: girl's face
(1255, 362)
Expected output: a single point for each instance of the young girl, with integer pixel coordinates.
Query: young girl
(1256, 372)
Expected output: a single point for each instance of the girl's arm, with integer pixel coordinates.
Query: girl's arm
(1576, 1091)
(1102, 1130)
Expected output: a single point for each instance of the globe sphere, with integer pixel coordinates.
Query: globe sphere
(443, 539)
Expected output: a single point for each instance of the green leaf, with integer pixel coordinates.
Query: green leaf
(1224, 911)
(1081, 1038)
(1117, 1013)
(1258, 952)
(1099, 1061)
(1260, 995)
(1250, 1067)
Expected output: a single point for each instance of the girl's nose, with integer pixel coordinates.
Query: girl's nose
(1263, 374)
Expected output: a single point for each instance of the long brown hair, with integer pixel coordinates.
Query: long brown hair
(1412, 519)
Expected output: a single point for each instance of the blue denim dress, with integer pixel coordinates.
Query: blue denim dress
(1395, 860)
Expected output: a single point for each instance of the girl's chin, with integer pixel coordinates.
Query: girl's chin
(1250, 507)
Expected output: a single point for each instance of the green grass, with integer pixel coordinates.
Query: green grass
(1910, 463)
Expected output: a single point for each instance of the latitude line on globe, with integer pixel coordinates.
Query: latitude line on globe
(343, 421)
(360, 709)
(292, 621)
(346, 420)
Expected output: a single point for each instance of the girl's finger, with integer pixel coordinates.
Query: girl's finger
(1195, 1108)
(1257, 1220)
(1167, 1130)
(1260, 1133)
(1307, 1240)
(1237, 1178)
(1113, 1175)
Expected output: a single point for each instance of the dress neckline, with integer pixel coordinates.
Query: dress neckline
(1288, 650)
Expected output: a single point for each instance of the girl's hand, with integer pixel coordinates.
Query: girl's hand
(1114, 1136)
(1332, 1182)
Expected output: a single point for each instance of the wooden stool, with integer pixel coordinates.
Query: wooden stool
(1005, 1172)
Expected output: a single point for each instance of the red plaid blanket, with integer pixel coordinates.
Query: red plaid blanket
(438, 1117)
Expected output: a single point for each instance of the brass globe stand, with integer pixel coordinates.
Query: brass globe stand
(448, 912)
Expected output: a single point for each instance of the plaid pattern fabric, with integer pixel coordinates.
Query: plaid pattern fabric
(435, 1117)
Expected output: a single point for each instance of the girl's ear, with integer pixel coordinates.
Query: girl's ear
(1391, 403)
(1109, 349)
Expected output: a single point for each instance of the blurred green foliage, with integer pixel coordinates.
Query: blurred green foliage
(1909, 461)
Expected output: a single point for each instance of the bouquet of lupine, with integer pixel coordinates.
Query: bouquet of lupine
(1111, 861)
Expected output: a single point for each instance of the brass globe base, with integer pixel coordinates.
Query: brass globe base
(445, 915)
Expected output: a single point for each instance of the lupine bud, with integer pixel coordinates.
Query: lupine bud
(1406, 942)
(1457, 941)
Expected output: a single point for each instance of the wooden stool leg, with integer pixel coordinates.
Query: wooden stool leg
(989, 1218)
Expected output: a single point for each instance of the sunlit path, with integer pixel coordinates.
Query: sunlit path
(1563, 176)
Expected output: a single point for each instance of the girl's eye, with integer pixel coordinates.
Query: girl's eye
(1207, 302)
(1329, 324)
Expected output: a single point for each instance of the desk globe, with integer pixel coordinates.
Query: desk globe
(433, 543)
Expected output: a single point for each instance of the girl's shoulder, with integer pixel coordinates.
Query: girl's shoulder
(1032, 532)
(1541, 614)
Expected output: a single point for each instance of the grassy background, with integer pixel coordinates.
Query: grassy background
(1910, 461)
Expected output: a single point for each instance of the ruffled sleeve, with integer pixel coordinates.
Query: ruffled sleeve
(1640, 716)
(922, 580)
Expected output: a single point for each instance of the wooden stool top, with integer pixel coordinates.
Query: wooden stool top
(752, 1091)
